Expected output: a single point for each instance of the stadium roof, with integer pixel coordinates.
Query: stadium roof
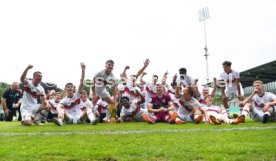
(265, 73)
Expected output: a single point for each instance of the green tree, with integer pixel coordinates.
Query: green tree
(3, 87)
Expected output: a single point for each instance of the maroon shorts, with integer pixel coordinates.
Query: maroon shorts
(161, 116)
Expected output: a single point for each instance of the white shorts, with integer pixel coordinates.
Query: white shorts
(27, 113)
(139, 115)
(73, 119)
(186, 117)
(258, 113)
(215, 114)
(230, 91)
(103, 94)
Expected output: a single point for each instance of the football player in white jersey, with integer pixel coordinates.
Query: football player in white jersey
(184, 79)
(216, 114)
(47, 115)
(206, 92)
(130, 88)
(131, 111)
(190, 108)
(86, 109)
(99, 88)
(142, 83)
(260, 104)
(150, 90)
(54, 103)
(32, 91)
(102, 111)
(124, 79)
(231, 85)
(68, 109)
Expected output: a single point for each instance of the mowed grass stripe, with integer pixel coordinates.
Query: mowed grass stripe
(123, 132)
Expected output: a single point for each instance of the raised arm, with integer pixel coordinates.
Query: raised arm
(82, 77)
(197, 93)
(123, 74)
(173, 84)
(164, 79)
(177, 90)
(213, 94)
(146, 63)
(141, 78)
(24, 74)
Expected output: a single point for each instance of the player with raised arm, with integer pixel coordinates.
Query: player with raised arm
(32, 91)
(69, 109)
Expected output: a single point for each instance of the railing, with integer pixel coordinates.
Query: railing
(269, 87)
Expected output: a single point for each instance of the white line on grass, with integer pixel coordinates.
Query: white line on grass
(122, 132)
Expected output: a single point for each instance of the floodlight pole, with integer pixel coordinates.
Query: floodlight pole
(203, 15)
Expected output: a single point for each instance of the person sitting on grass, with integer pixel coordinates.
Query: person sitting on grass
(71, 109)
(131, 111)
(190, 109)
(260, 104)
(216, 115)
(160, 105)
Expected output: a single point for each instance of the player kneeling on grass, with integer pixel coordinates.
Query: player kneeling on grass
(131, 111)
(260, 104)
(190, 109)
(160, 105)
(216, 115)
(32, 91)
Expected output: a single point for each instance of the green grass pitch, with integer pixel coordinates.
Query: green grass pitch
(138, 141)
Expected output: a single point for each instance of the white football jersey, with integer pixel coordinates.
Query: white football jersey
(212, 109)
(188, 105)
(230, 78)
(54, 105)
(87, 104)
(134, 108)
(185, 80)
(102, 106)
(130, 92)
(102, 80)
(263, 100)
(71, 104)
(30, 95)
